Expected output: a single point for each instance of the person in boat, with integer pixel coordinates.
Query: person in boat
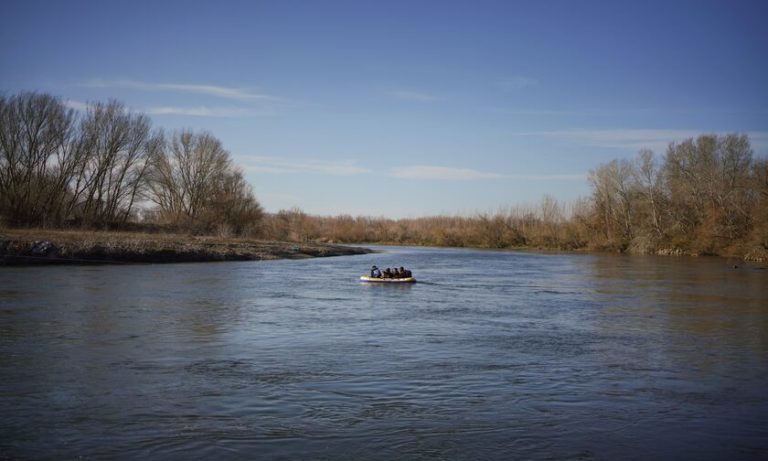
(387, 274)
(405, 273)
(375, 272)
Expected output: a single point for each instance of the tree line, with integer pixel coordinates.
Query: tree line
(542, 226)
(106, 167)
(705, 195)
(61, 168)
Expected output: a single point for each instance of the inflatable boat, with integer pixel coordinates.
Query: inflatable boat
(366, 278)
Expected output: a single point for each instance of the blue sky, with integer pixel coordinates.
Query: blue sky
(407, 108)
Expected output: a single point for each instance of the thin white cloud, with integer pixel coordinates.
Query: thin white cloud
(517, 111)
(278, 201)
(635, 139)
(759, 140)
(76, 105)
(517, 82)
(204, 111)
(199, 111)
(431, 172)
(441, 172)
(576, 112)
(275, 165)
(410, 95)
(240, 94)
(548, 177)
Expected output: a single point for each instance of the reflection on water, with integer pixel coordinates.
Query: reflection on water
(493, 355)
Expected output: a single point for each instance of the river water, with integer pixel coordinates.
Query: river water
(492, 355)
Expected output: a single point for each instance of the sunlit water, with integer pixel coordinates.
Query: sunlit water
(492, 355)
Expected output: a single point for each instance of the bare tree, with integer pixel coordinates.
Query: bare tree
(233, 206)
(193, 182)
(183, 175)
(551, 218)
(732, 194)
(648, 177)
(34, 129)
(688, 174)
(613, 195)
(114, 148)
(759, 188)
(708, 184)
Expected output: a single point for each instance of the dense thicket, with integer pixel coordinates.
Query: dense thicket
(544, 226)
(59, 167)
(707, 195)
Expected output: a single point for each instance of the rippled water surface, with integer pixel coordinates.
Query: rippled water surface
(493, 355)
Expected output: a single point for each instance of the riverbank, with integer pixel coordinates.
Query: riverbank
(31, 246)
(753, 254)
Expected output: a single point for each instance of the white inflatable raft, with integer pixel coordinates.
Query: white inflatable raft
(366, 278)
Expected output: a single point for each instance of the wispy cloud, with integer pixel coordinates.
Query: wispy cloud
(204, 111)
(516, 83)
(534, 112)
(199, 111)
(411, 95)
(548, 177)
(623, 139)
(76, 105)
(635, 139)
(282, 200)
(443, 173)
(759, 140)
(240, 94)
(261, 164)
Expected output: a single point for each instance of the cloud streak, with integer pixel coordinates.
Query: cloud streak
(635, 139)
(443, 173)
(517, 83)
(240, 94)
(204, 111)
(199, 111)
(410, 95)
(76, 105)
(522, 111)
(275, 165)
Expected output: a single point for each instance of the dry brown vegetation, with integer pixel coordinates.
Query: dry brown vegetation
(45, 246)
(543, 227)
(60, 168)
(707, 195)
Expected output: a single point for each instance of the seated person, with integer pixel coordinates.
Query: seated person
(404, 272)
(375, 272)
(387, 274)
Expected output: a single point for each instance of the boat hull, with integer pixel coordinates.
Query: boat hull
(366, 278)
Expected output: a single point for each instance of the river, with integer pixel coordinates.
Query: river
(492, 355)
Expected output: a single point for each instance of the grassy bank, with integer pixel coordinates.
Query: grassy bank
(36, 246)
